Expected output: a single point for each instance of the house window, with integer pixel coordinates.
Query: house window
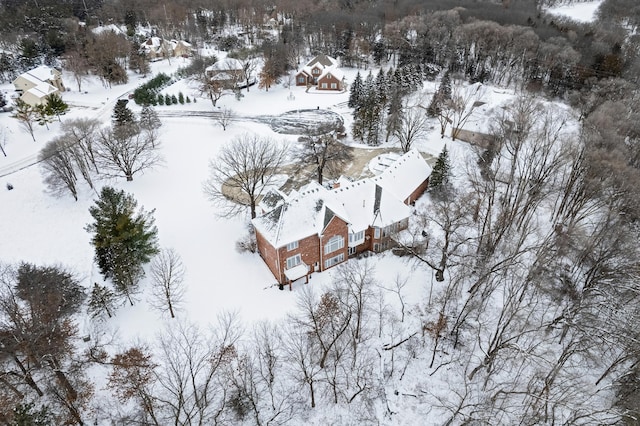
(334, 85)
(356, 238)
(315, 71)
(352, 251)
(300, 79)
(324, 85)
(376, 233)
(333, 261)
(335, 243)
(292, 246)
(376, 247)
(294, 261)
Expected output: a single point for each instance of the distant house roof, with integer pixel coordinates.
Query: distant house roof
(324, 60)
(377, 201)
(44, 73)
(111, 27)
(226, 64)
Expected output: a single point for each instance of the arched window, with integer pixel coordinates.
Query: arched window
(335, 243)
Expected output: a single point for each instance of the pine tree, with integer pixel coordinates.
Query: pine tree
(101, 300)
(174, 99)
(181, 98)
(160, 99)
(26, 115)
(42, 115)
(439, 178)
(167, 99)
(124, 239)
(122, 115)
(56, 106)
(188, 100)
(356, 92)
(149, 119)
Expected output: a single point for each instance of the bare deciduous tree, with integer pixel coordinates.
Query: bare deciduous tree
(59, 166)
(239, 175)
(126, 153)
(325, 152)
(412, 127)
(224, 117)
(167, 274)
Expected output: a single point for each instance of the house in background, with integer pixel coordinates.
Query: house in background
(316, 228)
(229, 72)
(36, 84)
(321, 72)
(156, 48)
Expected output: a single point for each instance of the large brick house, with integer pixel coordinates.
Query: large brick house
(317, 228)
(321, 72)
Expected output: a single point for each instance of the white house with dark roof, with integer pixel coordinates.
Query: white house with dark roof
(317, 228)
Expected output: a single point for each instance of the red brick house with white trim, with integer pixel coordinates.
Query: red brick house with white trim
(321, 72)
(318, 228)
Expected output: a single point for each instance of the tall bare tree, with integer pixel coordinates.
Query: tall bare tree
(167, 274)
(121, 153)
(242, 171)
(325, 152)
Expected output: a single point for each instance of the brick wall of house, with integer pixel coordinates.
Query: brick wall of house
(417, 193)
(328, 79)
(308, 250)
(335, 227)
(269, 255)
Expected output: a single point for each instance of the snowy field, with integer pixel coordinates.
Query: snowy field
(40, 228)
(581, 12)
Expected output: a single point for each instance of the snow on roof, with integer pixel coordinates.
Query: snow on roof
(42, 90)
(367, 202)
(323, 61)
(297, 218)
(43, 73)
(111, 27)
(226, 64)
(404, 175)
(297, 272)
(333, 71)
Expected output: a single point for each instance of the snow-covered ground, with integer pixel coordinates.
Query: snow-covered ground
(578, 11)
(40, 228)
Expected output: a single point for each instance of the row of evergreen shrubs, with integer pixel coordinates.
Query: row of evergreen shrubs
(172, 99)
(147, 94)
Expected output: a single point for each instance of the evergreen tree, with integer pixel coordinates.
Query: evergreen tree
(167, 99)
(149, 119)
(26, 115)
(356, 91)
(174, 99)
(439, 178)
(42, 115)
(188, 100)
(28, 415)
(122, 115)
(181, 98)
(3, 101)
(56, 106)
(124, 239)
(160, 99)
(101, 300)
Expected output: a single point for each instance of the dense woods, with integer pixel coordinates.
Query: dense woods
(532, 315)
